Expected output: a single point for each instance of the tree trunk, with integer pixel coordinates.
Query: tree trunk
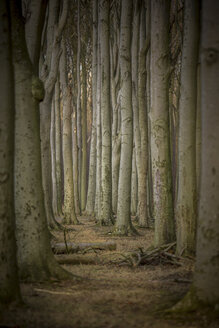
(75, 160)
(115, 102)
(106, 169)
(83, 187)
(159, 115)
(49, 73)
(68, 207)
(53, 162)
(9, 284)
(99, 141)
(186, 204)
(79, 135)
(134, 190)
(123, 222)
(207, 262)
(35, 258)
(143, 125)
(58, 148)
(92, 167)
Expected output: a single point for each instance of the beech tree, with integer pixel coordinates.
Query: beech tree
(9, 284)
(123, 223)
(90, 205)
(186, 202)
(159, 119)
(35, 258)
(106, 176)
(69, 207)
(48, 73)
(206, 280)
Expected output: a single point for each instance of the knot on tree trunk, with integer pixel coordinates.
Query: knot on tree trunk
(38, 91)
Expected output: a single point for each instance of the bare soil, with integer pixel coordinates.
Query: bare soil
(108, 295)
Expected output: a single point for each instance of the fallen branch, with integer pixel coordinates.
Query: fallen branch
(63, 248)
(156, 256)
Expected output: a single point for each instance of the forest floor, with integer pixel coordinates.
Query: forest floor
(109, 295)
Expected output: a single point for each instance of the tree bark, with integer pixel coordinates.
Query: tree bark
(106, 169)
(92, 167)
(58, 148)
(207, 262)
(83, 187)
(123, 222)
(159, 116)
(49, 73)
(9, 284)
(143, 124)
(186, 203)
(35, 258)
(68, 207)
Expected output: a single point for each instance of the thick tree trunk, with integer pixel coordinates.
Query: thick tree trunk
(68, 207)
(106, 169)
(9, 284)
(207, 263)
(159, 115)
(35, 258)
(92, 167)
(123, 222)
(186, 204)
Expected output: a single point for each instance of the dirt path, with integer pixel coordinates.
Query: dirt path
(110, 295)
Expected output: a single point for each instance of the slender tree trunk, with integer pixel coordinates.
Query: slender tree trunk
(58, 148)
(135, 50)
(92, 167)
(49, 77)
(123, 222)
(99, 140)
(79, 135)
(53, 162)
(114, 91)
(68, 208)
(83, 187)
(159, 115)
(143, 125)
(134, 192)
(9, 284)
(186, 204)
(75, 160)
(106, 169)
(35, 258)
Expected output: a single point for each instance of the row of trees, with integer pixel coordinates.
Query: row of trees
(119, 126)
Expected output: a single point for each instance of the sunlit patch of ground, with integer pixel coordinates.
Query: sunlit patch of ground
(109, 295)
